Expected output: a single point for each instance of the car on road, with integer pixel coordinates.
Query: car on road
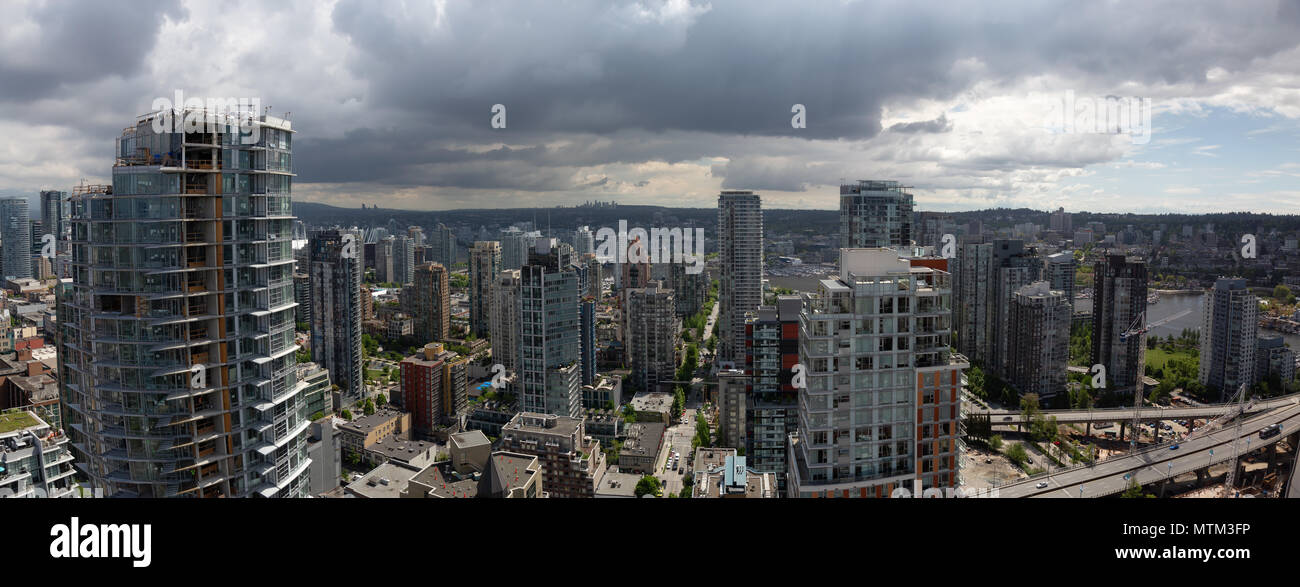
(1041, 485)
(1175, 447)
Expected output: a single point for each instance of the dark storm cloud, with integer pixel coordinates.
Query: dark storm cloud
(78, 42)
(735, 69)
(399, 94)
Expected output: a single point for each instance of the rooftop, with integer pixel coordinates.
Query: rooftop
(388, 480)
(366, 423)
(643, 439)
(15, 421)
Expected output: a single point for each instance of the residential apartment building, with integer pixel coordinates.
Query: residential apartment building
(178, 326)
(653, 331)
(35, 460)
(334, 266)
(875, 214)
(1119, 300)
(550, 378)
(435, 389)
(572, 462)
(484, 269)
(504, 319)
(1229, 330)
(740, 275)
(1040, 340)
(880, 409)
(428, 300)
(772, 344)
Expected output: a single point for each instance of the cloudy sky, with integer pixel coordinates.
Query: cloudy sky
(667, 102)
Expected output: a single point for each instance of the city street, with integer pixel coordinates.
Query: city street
(677, 437)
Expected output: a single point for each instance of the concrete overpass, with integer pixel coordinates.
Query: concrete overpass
(1146, 414)
(1162, 461)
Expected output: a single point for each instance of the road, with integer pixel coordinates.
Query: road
(1159, 462)
(1004, 417)
(677, 437)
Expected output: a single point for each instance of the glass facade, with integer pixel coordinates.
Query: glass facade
(176, 334)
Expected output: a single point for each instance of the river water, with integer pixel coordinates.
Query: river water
(1171, 304)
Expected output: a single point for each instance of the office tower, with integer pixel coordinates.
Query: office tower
(584, 241)
(740, 262)
(403, 260)
(733, 400)
(1229, 327)
(484, 268)
(505, 319)
(550, 378)
(653, 330)
(1040, 340)
(514, 248)
(416, 234)
(428, 300)
(15, 239)
(933, 227)
(435, 389)
(772, 341)
(54, 214)
(690, 289)
(972, 303)
(880, 408)
(1062, 222)
(587, 347)
(1272, 357)
(385, 266)
(338, 308)
(573, 464)
(1014, 266)
(875, 214)
(595, 276)
(1119, 299)
(54, 220)
(178, 366)
(1061, 268)
(444, 246)
(302, 296)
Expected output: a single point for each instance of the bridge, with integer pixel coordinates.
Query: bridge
(1012, 417)
(1164, 461)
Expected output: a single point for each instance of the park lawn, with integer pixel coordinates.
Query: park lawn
(1158, 358)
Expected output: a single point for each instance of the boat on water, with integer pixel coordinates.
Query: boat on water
(1153, 298)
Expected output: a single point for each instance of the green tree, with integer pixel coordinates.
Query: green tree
(1018, 454)
(648, 485)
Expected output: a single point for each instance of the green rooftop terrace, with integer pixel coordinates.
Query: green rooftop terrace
(11, 421)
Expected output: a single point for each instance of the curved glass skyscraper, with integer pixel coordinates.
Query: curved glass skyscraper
(176, 334)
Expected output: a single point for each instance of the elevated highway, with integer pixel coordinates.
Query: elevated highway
(1163, 461)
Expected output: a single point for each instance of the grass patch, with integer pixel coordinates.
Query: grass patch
(12, 421)
(1159, 358)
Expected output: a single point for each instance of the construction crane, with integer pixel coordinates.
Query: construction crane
(1139, 328)
(1240, 398)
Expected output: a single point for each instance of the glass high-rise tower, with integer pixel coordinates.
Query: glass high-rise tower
(176, 334)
